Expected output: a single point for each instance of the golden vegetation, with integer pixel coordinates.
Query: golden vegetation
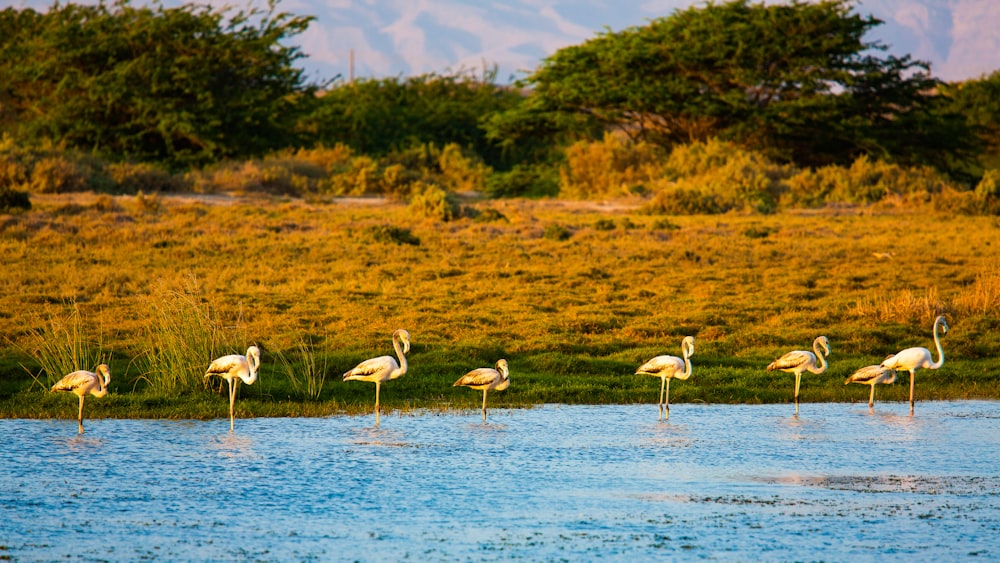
(574, 295)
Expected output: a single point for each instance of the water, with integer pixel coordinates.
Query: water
(549, 483)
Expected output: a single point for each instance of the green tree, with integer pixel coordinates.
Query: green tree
(794, 80)
(979, 102)
(185, 85)
(381, 116)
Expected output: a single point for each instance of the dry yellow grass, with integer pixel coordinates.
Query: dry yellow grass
(279, 272)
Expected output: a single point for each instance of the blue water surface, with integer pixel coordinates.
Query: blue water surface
(555, 482)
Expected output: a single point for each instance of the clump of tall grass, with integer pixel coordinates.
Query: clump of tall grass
(308, 374)
(982, 297)
(902, 307)
(64, 345)
(183, 337)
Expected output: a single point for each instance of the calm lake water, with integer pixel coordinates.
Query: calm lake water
(549, 483)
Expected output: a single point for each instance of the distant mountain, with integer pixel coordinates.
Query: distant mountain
(960, 38)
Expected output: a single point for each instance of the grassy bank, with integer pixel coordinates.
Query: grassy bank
(575, 296)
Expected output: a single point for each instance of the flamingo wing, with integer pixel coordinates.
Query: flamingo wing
(909, 358)
(791, 360)
(226, 365)
(867, 374)
(660, 364)
(478, 377)
(81, 379)
(381, 366)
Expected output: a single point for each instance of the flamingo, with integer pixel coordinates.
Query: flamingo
(383, 368)
(799, 361)
(485, 379)
(667, 368)
(82, 382)
(913, 359)
(872, 375)
(234, 368)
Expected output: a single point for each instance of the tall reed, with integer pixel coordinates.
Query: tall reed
(182, 339)
(63, 346)
(308, 375)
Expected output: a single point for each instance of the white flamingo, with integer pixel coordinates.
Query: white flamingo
(82, 382)
(667, 368)
(234, 368)
(486, 379)
(383, 368)
(872, 375)
(799, 361)
(913, 359)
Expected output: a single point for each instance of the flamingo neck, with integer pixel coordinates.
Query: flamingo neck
(254, 364)
(687, 366)
(402, 358)
(822, 359)
(103, 379)
(940, 349)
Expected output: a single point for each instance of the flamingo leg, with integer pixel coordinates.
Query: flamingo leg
(484, 405)
(663, 383)
(798, 381)
(871, 397)
(666, 402)
(911, 392)
(79, 418)
(378, 384)
(232, 402)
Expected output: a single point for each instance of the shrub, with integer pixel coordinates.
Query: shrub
(143, 177)
(524, 181)
(556, 232)
(148, 203)
(604, 225)
(683, 201)
(608, 168)
(12, 200)
(56, 175)
(432, 202)
(250, 176)
(489, 215)
(989, 186)
(390, 235)
(866, 181)
(664, 225)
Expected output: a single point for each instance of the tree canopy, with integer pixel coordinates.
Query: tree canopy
(184, 85)
(795, 80)
(378, 116)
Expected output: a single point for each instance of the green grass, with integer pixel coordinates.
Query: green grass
(574, 317)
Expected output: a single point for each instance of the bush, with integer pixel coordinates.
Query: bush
(390, 235)
(489, 215)
(556, 232)
(989, 186)
(144, 177)
(524, 181)
(609, 168)
(56, 175)
(12, 200)
(432, 202)
(683, 201)
(864, 182)
(604, 225)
